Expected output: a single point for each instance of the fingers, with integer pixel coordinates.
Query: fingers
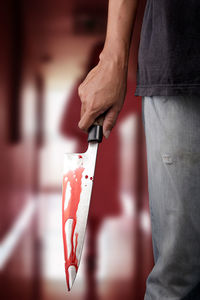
(90, 110)
(109, 121)
(100, 95)
(87, 120)
(82, 111)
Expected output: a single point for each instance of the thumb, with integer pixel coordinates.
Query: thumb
(109, 121)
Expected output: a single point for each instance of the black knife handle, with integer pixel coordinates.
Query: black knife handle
(95, 133)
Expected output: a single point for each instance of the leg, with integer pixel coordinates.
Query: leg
(172, 129)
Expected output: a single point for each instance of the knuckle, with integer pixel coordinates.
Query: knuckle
(83, 100)
(95, 106)
(79, 88)
(93, 109)
(80, 91)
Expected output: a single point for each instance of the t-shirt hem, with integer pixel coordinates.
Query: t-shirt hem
(167, 90)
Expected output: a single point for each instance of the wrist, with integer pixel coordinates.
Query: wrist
(114, 56)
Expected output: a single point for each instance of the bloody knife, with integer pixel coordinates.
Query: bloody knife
(76, 193)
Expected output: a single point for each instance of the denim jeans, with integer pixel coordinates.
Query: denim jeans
(172, 131)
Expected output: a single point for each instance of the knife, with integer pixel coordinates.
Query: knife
(76, 193)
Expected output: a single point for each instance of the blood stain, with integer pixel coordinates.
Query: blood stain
(86, 176)
(80, 156)
(91, 178)
(71, 213)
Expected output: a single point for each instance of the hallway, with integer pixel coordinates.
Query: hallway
(46, 49)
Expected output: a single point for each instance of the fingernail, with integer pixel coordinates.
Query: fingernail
(106, 134)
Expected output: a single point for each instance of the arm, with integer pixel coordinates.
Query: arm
(104, 88)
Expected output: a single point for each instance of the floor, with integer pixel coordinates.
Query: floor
(115, 271)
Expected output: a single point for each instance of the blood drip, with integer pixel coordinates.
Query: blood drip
(80, 156)
(91, 178)
(86, 176)
(74, 178)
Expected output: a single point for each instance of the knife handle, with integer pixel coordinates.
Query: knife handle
(95, 133)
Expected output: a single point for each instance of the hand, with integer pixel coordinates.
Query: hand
(103, 92)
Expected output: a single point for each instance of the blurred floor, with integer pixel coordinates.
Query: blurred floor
(35, 268)
(115, 270)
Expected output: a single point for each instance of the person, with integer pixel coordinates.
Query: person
(108, 161)
(100, 207)
(169, 82)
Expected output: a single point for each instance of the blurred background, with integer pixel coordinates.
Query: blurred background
(47, 48)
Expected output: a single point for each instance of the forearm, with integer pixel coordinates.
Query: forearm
(121, 19)
(103, 90)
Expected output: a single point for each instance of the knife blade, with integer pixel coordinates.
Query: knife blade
(77, 185)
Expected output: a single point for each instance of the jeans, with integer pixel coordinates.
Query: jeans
(172, 131)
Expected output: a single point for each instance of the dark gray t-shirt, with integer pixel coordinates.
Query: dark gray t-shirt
(169, 50)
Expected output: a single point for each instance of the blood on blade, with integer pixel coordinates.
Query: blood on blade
(74, 178)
